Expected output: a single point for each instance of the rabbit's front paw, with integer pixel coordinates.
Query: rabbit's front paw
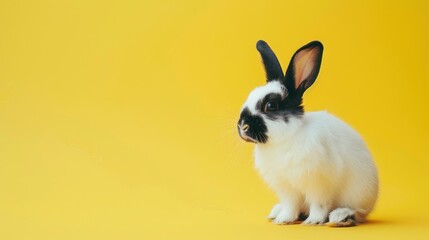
(283, 215)
(318, 214)
(315, 221)
(275, 211)
(316, 218)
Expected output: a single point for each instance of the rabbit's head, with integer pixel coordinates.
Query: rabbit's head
(273, 109)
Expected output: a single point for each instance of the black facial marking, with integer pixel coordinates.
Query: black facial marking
(287, 106)
(272, 97)
(257, 128)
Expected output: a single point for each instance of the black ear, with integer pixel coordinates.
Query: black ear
(304, 68)
(272, 66)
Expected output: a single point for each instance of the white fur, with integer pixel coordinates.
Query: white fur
(315, 163)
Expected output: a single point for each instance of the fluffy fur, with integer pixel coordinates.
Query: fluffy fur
(317, 165)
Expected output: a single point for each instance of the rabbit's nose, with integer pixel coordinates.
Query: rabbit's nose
(243, 127)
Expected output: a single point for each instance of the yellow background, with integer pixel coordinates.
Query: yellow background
(117, 119)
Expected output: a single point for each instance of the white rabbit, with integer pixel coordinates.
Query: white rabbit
(319, 167)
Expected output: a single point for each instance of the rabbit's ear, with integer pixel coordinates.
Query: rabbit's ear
(272, 66)
(304, 68)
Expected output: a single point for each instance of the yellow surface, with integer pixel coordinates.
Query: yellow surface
(117, 119)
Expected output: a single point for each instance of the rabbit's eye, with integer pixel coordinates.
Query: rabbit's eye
(271, 106)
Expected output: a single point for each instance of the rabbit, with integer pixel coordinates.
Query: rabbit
(319, 167)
